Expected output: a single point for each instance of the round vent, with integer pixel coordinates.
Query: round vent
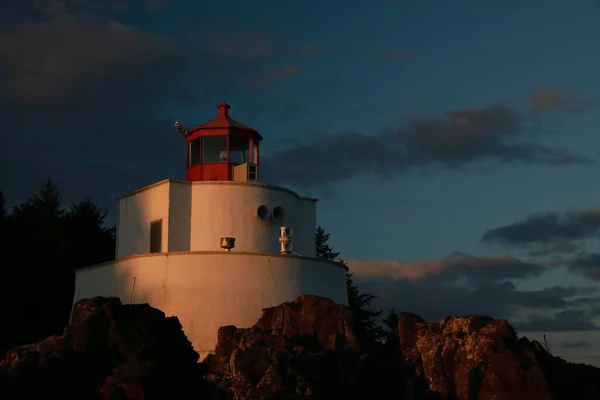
(262, 212)
(278, 213)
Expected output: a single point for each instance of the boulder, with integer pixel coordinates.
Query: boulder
(477, 357)
(305, 349)
(108, 351)
(302, 349)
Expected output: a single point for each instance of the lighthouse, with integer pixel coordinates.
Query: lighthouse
(219, 247)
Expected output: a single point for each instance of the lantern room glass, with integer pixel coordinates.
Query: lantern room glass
(239, 150)
(214, 149)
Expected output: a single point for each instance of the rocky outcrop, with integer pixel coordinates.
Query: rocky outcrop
(109, 351)
(307, 349)
(298, 350)
(477, 358)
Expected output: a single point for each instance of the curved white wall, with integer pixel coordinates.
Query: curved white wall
(207, 290)
(196, 214)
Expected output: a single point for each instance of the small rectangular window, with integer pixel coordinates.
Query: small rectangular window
(194, 152)
(252, 172)
(156, 236)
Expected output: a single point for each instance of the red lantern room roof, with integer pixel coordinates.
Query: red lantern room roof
(224, 121)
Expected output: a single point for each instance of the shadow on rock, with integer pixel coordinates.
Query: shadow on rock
(109, 351)
(305, 349)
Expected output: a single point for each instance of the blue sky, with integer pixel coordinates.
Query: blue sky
(420, 125)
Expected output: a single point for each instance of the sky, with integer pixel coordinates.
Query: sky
(453, 146)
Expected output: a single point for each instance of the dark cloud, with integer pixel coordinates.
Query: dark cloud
(87, 95)
(434, 300)
(587, 264)
(464, 285)
(576, 345)
(87, 99)
(550, 232)
(455, 139)
(563, 321)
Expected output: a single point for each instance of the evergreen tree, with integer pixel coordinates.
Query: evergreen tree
(39, 227)
(89, 240)
(323, 249)
(50, 242)
(391, 322)
(42, 279)
(392, 340)
(366, 327)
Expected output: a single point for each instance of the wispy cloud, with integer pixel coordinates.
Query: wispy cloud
(448, 268)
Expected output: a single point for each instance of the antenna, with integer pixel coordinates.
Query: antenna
(181, 129)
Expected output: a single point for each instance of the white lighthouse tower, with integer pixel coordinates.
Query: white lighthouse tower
(215, 249)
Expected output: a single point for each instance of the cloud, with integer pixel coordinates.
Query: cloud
(587, 264)
(434, 300)
(549, 232)
(272, 76)
(91, 97)
(576, 345)
(68, 51)
(455, 139)
(446, 269)
(462, 284)
(563, 321)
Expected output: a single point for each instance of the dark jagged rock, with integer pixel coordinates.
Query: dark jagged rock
(305, 349)
(109, 351)
(477, 357)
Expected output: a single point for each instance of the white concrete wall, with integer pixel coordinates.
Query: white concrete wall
(207, 290)
(197, 214)
(135, 213)
(229, 209)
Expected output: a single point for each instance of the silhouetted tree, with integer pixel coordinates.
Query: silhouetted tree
(547, 346)
(38, 277)
(89, 241)
(46, 242)
(324, 250)
(367, 330)
(391, 322)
